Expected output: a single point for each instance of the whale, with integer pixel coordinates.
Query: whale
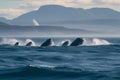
(16, 44)
(29, 44)
(66, 43)
(77, 42)
(48, 42)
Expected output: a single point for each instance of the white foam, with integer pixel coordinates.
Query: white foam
(42, 66)
(100, 42)
(53, 44)
(9, 41)
(95, 41)
(12, 41)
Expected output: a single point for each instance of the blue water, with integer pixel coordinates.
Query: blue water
(96, 59)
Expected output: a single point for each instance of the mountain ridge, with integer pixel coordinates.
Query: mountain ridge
(53, 14)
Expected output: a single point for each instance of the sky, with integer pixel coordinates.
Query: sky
(13, 8)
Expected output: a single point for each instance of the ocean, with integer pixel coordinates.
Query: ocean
(96, 59)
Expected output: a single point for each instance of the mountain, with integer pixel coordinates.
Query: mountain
(4, 20)
(89, 22)
(3, 24)
(55, 14)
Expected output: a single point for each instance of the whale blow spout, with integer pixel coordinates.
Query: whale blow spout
(77, 42)
(66, 43)
(48, 42)
(29, 44)
(16, 44)
(35, 22)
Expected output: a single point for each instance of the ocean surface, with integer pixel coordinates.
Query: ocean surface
(96, 59)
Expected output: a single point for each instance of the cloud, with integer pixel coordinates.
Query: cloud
(34, 4)
(111, 1)
(10, 13)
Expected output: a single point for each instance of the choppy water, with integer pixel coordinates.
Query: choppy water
(96, 59)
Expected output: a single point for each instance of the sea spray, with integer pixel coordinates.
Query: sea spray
(100, 42)
(9, 41)
(95, 41)
(12, 41)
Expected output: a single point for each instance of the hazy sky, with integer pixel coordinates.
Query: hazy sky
(14, 8)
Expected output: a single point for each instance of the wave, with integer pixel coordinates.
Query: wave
(36, 70)
(45, 71)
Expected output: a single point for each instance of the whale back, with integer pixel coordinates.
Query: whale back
(48, 42)
(66, 43)
(77, 42)
(29, 44)
(16, 44)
